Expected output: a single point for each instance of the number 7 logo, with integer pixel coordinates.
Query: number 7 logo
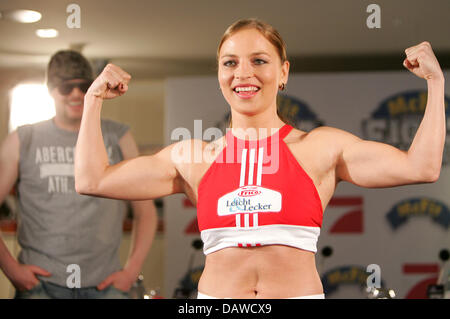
(419, 290)
(352, 221)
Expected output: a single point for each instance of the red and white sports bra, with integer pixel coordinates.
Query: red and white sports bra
(256, 193)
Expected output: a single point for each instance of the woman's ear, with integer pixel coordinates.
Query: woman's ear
(285, 72)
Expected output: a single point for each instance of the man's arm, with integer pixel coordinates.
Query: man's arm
(144, 228)
(23, 277)
(9, 169)
(9, 164)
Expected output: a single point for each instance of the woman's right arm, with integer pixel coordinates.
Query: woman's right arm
(144, 177)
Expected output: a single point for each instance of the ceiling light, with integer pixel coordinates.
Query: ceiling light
(22, 16)
(47, 33)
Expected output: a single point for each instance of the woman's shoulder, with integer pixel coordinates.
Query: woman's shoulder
(318, 149)
(193, 151)
(319, 134)
(322, 140)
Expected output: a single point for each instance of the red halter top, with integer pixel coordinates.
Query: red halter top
(256, 193)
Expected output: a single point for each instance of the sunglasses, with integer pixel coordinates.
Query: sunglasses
(66, 88)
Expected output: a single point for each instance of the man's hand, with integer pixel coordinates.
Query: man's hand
(421, 61)
(121, 280)
(23, 277)
(112, 82)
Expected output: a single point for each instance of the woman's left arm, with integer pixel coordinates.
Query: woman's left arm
(374, 164)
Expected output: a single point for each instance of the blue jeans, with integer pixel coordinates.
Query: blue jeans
(47, 290)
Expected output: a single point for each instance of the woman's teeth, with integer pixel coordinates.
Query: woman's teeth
(246, 88)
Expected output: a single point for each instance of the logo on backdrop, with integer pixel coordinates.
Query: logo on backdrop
(427, 273)
(346, 275)
(298, 113)
(295, 110)
(401, 212)
(397, 119)
(352, 221)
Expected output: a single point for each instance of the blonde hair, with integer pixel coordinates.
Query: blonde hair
(269, 32)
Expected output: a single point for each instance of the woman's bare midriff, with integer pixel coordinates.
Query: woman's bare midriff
(273, 271)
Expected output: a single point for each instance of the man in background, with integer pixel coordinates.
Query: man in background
(63, 234)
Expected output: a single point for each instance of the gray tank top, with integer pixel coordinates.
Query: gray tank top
(57, 226)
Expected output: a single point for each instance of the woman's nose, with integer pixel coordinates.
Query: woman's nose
(244, 71)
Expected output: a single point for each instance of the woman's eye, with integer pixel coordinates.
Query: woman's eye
(259, 61)
(229, 63)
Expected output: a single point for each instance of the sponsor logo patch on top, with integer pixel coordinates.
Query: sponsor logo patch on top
(248, 192)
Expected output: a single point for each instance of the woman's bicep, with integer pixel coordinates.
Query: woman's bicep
(144, 177)
(373, 164)
(140, 178)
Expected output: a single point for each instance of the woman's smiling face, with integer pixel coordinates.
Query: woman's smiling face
(250, 72)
